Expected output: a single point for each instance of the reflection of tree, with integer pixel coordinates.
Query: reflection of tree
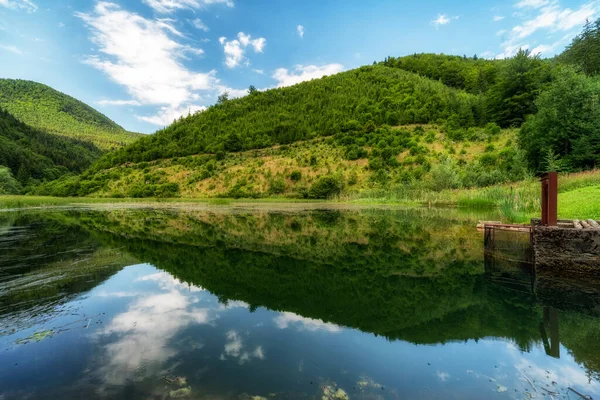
(45, 262)
(399, 274)
(397, 242)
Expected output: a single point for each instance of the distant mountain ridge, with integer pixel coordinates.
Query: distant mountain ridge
(45, 108)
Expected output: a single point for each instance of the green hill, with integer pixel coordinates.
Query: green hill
(371, 128)
(34, 156)
(419, 123)
(366, 97)
(44, 108)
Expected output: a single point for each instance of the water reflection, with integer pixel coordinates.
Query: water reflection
(236, 303)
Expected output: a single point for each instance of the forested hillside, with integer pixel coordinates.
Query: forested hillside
(364, 98)
(420, 122)
(29, 156)
(54, 112)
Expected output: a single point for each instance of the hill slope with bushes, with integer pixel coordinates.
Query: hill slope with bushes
(54, 112)
(367, 97)
(421, 122)
(29, 156)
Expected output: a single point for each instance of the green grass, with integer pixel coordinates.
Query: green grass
(579, 198)
(16, 201)
(583, 203)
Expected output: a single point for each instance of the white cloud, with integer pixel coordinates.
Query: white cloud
(235, 348)
(142, 55)
(304, 73)
(166, 115)
(498, 18)
(300, 30)
(549, 49)
(442, 19)
(169, 6)
(501, 32)
(287, 319)
(26, 5)
(233, 93)
(235, 49)
(11, 48)
(198, 24)
(259, 71)
(118, 103)
(549, 16)
(531, 3)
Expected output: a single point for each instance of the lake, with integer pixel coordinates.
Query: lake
(270, 301)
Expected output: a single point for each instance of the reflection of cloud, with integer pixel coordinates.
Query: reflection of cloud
(234, 348)
(233, 304)
(443, 376)
(169, 282)
(564, 371)
(116, 294)
(145, 330)
(286, 319)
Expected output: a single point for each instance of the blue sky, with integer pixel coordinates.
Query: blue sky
(145, 62)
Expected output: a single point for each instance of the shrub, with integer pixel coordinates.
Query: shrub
(8, 184)
(492, 128)
(430, 138)
(296, 176)
(353, 178)
(325, 187)
(167, 190)
(277, 186)
(445, 175)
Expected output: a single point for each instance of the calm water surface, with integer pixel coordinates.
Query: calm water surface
(253, 302)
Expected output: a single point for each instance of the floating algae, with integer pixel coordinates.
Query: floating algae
(364, 382)
(179, 393)
(331, 393)
(176, 380)
(37, 337)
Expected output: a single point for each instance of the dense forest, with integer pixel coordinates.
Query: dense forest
(422, 121)
(29, 156)
(54, 112)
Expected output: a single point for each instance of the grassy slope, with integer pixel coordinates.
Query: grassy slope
(578, 198)
(253, 173)
(45, 108)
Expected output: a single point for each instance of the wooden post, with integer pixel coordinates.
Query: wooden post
(550, 199)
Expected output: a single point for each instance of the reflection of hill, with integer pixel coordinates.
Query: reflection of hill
(399, 274)
(406, 242)
(43, 262)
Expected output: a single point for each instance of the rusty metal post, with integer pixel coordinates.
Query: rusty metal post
(550, 199)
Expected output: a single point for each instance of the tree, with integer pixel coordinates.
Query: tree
(567, 122)
(8, 184)
(223, 98)
(252, 90)
(233, 143)
(584, 50)
(512, 98)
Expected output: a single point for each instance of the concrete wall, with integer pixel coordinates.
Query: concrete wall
(567, 251)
